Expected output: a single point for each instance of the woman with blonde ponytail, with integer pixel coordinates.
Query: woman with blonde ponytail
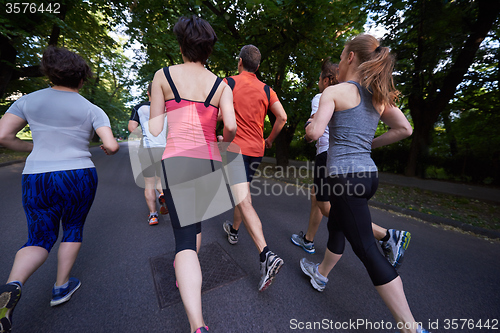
(352, 110)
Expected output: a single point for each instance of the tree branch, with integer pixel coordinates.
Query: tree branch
(220, 14)
(488, 14)
(56, 29)
(30, 71)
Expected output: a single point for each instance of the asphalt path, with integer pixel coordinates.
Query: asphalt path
(449, 276)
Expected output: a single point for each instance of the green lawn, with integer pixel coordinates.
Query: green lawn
(7, 155)
(470, 211)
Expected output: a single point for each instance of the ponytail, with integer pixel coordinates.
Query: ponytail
(376, 65)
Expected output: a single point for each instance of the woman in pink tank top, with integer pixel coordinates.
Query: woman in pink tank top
(191, 97)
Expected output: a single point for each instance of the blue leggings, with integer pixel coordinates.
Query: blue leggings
(350, 218)
(53, 197)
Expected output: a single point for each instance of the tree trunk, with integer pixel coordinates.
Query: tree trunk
(424, 115)
(283, 140)
(450, 134)
(283, 144)
(282, 149)
(7, 62)
(425, 112)
(419, 151)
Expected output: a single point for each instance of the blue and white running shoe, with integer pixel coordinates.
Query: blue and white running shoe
(62, 295)
(394, 249)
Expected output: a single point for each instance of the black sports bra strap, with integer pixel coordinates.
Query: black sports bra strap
(177, 97)
(212, 92)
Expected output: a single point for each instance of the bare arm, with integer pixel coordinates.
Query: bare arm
(280, 114)
(317, 124)
(10, 124)
(132, 125)
(109, 144)
(226, 110)
(157, 108)
(399, 129)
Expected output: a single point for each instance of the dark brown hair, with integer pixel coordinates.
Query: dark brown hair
(149, 87)
(331, 71)
(196, 38)
(376, 65)
(64, 68)
(250, 57)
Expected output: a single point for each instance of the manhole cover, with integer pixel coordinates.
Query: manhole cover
(217, 266)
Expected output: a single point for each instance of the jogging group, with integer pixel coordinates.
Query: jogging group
(185, 159)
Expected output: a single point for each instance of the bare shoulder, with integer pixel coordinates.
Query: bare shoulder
(340, 88)
(346, 87)
(223, 85)
(345, 95)
(159, 74)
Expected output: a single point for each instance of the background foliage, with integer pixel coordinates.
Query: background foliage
(448, 65)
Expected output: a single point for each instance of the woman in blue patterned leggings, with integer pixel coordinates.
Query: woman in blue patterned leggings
(59, 179)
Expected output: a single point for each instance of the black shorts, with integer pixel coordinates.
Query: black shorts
(150, 159)
(321, 185)
(241, 168)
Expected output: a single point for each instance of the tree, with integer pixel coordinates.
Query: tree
(292, 35)
(83, 27)
(436, 43)
(471, 119)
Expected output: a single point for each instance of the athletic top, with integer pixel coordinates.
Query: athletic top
(140, 113)
(351, 135)
(322, 143)
(191, 125)
(62, 123)
(250, 106)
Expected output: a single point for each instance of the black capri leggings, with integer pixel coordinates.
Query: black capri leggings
(182, 170)
(350, 218)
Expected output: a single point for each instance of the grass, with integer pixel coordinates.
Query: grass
(471, 211)
(7, 155)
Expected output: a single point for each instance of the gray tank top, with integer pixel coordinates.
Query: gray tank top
(351, 135)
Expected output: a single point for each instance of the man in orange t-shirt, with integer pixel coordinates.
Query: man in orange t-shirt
(252, 99)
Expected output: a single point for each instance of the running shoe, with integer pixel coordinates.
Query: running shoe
(9, 296)
(268, 270)
(394, 249)
(232, 238)
(309, 268)
(202, 330)
(62, 295)
(153, 219)
(300, 241)
(163, 204)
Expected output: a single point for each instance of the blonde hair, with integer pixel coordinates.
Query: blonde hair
(376, 64)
